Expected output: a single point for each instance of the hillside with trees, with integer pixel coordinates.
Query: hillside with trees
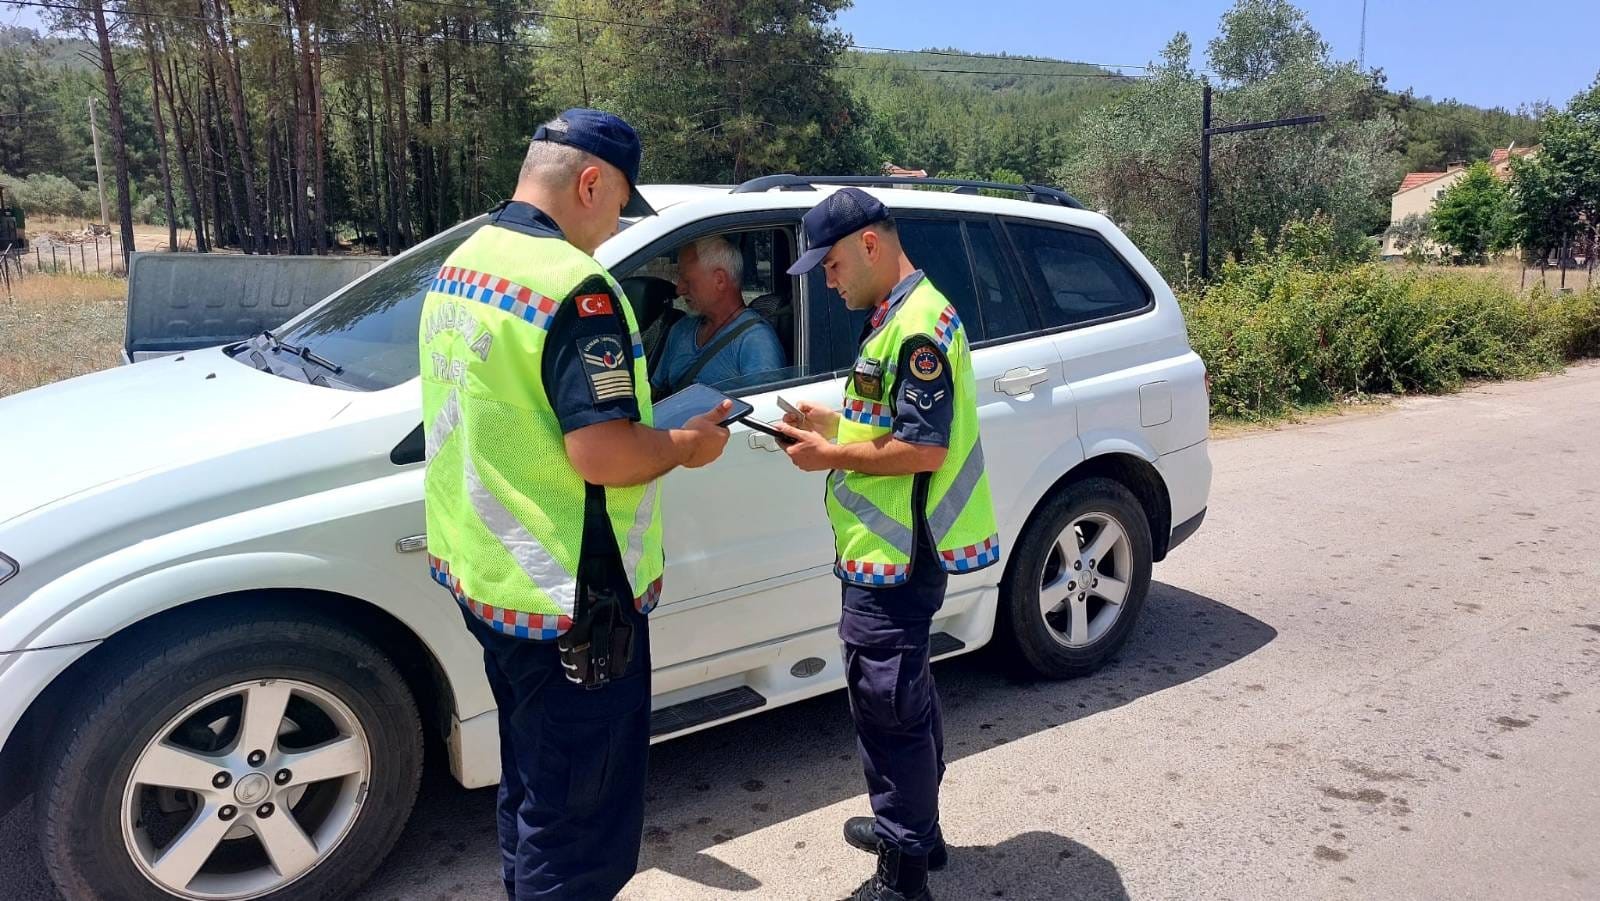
(287, 126)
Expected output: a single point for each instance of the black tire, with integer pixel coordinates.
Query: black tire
(1022, 628)
(143, 684)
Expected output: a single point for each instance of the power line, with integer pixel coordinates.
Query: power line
(344, 38)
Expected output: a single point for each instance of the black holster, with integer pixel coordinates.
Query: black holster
(599, 646)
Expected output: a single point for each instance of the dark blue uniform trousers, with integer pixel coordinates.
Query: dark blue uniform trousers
(572, 768)
(895, 706)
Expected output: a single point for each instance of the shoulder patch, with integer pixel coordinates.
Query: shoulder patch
(604, 361)
(594, 305)
(925, 364)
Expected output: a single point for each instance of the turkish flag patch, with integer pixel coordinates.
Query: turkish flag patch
(594, 305)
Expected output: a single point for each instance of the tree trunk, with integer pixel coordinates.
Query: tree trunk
(161, 133)
(227, 45)
(402, 147)
(311, 55)
(196, 214)
(391, 165)
(119, 131)
(424, 154)
(446, 217)
(372, 173)
(219, 145)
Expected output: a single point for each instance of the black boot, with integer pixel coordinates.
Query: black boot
(899, 878)
(858, 832)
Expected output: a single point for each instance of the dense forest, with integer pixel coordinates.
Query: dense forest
(292, 125)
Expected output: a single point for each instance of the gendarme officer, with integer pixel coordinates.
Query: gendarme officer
(542, 511)
(909, 501)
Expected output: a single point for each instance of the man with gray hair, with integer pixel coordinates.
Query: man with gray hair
(543, 518)
(722, 342)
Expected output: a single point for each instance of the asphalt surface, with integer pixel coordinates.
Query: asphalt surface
(1372, 674)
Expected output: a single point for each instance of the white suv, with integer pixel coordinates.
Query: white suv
(219, 646)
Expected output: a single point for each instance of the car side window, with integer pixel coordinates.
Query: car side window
(833, 332)
(1076, 276)
(978, 284)
(1002, 309)
(667, 324)
(936, 247)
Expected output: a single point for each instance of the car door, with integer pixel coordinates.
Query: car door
(1025, 406)
(746, 534)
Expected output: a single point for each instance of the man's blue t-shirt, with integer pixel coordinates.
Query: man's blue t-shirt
(749, 359)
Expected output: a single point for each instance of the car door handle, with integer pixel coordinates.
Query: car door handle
(763, 441)
(1020, 380)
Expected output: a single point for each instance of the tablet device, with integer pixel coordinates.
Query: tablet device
(692, 401)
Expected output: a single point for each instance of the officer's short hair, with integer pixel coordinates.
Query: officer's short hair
(554, 165)
(717, 252)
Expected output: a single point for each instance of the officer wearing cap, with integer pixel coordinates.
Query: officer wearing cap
(542, 510)
(909, 501)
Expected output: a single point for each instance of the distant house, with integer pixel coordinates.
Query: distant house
(1419, 191)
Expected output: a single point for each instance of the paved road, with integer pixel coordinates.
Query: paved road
(1373, 674)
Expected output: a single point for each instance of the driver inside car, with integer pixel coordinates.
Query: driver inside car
(721, 341)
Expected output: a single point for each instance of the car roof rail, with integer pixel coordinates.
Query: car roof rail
(787, 182)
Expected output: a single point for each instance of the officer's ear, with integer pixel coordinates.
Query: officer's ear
(589, 186)
(871, 245)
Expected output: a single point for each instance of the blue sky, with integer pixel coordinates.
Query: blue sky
(1490, 54)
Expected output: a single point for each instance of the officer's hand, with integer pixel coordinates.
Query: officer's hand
(814, 418)
(807, 450)
(706, 437)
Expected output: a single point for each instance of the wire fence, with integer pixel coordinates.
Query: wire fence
(89, 255)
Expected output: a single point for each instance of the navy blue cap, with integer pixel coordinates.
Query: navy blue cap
(608, 137)
(839, 215)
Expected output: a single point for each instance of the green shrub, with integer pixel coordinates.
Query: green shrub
(50, 195)
(1286, 331)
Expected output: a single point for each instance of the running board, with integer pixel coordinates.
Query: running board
(734, 701)
(700, 711)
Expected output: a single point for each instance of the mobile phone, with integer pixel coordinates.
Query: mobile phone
(760, 426)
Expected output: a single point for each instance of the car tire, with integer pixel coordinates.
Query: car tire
(327, 676)
(1044, 645)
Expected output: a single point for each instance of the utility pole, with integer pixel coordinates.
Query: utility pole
(1206, 132)
(99, 175)
(1362, 54)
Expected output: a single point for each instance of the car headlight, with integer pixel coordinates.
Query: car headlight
(8, 568)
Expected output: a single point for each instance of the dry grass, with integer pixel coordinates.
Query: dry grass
(146, 236)
(54, 327)
(1512, 275)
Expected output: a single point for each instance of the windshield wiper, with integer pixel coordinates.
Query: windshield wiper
(303, 352)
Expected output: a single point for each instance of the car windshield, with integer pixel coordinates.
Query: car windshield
(370, 330)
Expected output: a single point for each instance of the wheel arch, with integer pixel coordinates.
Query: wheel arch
(424, 675)
(1131, 471)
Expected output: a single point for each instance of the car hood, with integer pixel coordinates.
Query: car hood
(76, 435)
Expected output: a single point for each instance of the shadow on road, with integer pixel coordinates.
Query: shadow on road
(714, 786)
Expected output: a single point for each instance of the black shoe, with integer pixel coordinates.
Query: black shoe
(858, 832)
(899, 878)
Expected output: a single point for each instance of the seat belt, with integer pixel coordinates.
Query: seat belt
(710, 352)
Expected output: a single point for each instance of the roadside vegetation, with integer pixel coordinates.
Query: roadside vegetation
(1295, 329)
(54, 327)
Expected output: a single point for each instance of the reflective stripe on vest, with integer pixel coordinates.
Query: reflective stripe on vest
(505, 507)
(873, 520)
